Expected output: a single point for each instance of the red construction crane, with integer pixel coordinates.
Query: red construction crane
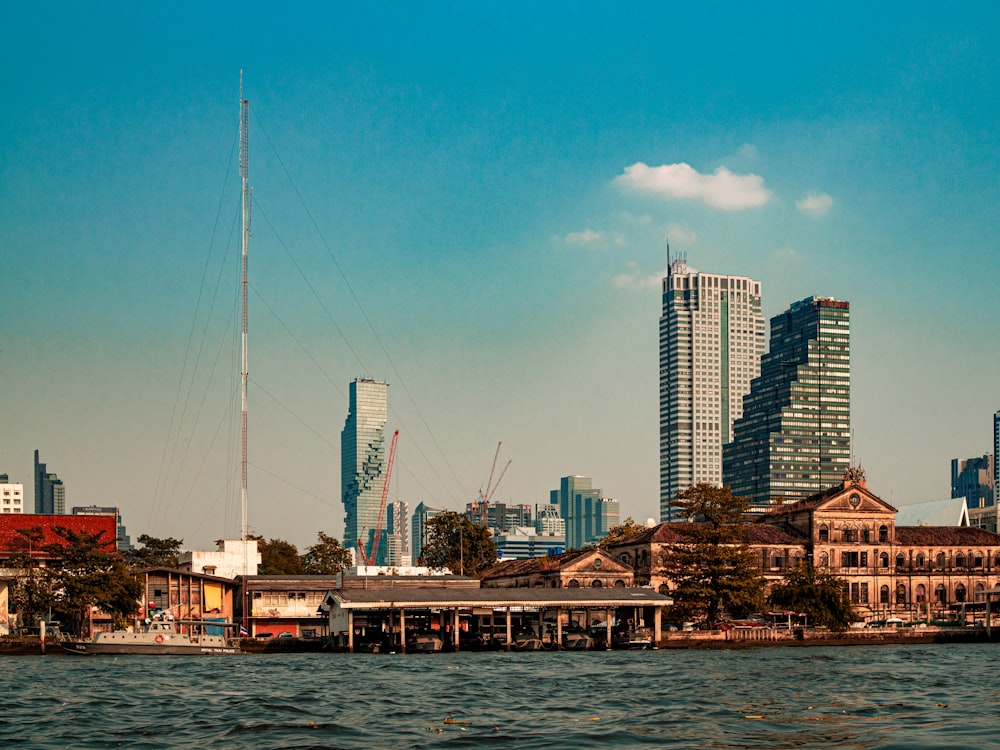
(381, 508)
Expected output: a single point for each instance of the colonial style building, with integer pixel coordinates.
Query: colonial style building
(910, 572)
(588, 568)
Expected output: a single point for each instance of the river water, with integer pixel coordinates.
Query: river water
(939, 696)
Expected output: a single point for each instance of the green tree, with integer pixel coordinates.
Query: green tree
(155, 553)
(821, 596)
(89, 574)
(711, 567)
(621, 532)
(31, 590)
(456, 543)
(327, 557)
(278, 557)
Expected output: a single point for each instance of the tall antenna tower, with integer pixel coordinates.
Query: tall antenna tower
(244, 368)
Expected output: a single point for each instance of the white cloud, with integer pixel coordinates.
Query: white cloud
(786, 253)
(633, 279)
(679, 235)
(814, 204)
(722, 189)
(586, 237)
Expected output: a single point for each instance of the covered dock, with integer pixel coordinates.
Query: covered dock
(450, 613)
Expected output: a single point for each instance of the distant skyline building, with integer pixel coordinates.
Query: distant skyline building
(124, 542)
(711, 343)
(362, 465)
(588, 515)
(11, 495)
(418, 528)
(50, 493)
(996, 459)
(500, 517)
(794, 438)
(397, 526)
(972, 478)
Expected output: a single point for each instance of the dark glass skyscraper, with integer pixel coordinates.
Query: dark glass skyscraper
(50, 494)
(794, 438)
(362, 466)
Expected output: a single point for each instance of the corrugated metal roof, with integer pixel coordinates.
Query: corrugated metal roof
(529, 597)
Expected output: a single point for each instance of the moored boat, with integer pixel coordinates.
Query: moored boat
(161, 637)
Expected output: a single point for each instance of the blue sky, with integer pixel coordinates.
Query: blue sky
(471, 200)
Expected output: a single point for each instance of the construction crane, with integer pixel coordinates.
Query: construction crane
(491, 488)
(381, 509)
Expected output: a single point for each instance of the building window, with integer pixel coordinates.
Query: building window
(824, 535)
(901, 594)
(960, 593)
(573, 583)
(864, 593)
(883, 595)
(959, 561)
(900, 560)
(883, 534)
(921, 594)
(596, 583)
(883, 560)
(920, 560)
(940, 560)
(824, 560)
(855, 594)
(847, 534)
(941, 594)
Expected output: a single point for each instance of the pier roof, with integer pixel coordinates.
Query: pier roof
(400, 598)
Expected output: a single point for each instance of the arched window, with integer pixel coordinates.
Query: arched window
(824, 536)
(960, 592)
(883, 595)
(596, 583)
(901, 594)
(900, 560)
(921, 594)
(619, 583)
(959, 560)
(847, 534)
(920, 560)
(977, 560)
(883, 533)
(980, 588)
(824, 560)
(883, 560)
(573, 583)
(941, 594)
(866, 534)
(940, 560)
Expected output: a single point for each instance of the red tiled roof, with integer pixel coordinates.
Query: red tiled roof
(678, 532)
(946, 536)
(534, 564)
(11, 542)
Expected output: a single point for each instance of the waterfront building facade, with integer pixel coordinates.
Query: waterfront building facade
(362, 465)
(230, 559)
(711, 343)
(50, 493)
(910, 572)
(794, 437)
(11, 495)
(972, 479)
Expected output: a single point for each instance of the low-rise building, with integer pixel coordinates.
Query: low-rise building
(587, 568)
(910, 572)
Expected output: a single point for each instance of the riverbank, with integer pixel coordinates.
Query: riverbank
(762, 638)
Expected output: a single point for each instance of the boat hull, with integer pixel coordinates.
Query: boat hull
(86, 648)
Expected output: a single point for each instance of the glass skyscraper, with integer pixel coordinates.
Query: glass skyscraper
(50, 493)
(794, 438)
(711, 342)
(362, 466)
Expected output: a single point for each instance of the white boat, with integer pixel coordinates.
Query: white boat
(161, 637)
